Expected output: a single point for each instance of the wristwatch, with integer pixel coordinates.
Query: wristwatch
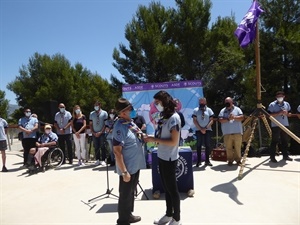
(124, 173)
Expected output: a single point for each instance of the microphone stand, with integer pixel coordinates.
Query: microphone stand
(108, 190)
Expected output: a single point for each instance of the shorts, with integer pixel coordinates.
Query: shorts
(3, 145)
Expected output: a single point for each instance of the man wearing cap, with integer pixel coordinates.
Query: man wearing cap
(47, 140)
(129, 155)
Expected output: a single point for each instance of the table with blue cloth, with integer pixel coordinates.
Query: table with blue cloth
(184, 171)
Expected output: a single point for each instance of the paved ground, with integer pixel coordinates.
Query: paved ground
(268, 194)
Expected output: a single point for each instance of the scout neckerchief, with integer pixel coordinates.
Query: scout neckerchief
(133, 127)
(159, 127)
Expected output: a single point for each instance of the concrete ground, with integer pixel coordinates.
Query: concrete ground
(268, 194)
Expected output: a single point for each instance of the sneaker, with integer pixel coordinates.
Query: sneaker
(174, 222)
(97, 163)
(163, 220)
(79, 162)
(4, 169)
(103, 163)
(82, 163)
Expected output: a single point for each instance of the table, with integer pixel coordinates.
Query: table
(184, 171)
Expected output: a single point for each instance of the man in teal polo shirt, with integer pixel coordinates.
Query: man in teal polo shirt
(97, 125)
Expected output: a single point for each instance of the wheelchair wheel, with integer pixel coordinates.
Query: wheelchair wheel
(55, 158)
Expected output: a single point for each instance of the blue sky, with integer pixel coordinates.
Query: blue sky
(84, 31)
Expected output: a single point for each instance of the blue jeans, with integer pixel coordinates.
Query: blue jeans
(99, 145)
(203, 139)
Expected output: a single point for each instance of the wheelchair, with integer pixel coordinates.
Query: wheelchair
(52, 158)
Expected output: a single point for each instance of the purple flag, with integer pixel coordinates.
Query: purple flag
(245, 32)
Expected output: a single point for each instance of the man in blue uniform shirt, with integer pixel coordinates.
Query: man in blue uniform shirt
(129, 155)
(280, 110)
(231, 118)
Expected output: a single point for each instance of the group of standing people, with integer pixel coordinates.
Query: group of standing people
(127, 137)
(231, 117)
(67, 126)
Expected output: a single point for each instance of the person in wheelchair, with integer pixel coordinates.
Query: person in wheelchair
(48, 140)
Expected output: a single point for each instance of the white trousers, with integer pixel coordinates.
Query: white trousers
(80, 145)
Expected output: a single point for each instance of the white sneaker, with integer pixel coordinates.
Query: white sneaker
(82, 163)
(79, 162)
(103, 163)
(97, 163)
(174, 222)
(163, 220)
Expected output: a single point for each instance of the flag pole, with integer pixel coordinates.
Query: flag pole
(257, 61)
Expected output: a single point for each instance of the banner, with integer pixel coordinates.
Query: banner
(186, 92)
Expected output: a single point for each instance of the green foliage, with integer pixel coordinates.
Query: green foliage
(280, 44)
(3, 105)
(167, 44)
(47, 80)
(171, 44)
(177, 44)
(151, 56)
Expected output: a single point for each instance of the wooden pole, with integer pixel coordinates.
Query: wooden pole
(257, 61)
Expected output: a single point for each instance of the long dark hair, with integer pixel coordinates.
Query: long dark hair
(167, 102)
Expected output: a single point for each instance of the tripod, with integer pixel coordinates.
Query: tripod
(108, 190)
(259, 112)
(142, 191)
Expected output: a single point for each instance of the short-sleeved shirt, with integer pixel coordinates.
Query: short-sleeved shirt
(78, 123)
(28, 123)
(275, 107)
(45, 138)
(234, 127)
(109, 124)
(3, 126)
(132, 147)
(62, 119)
(165, 152)
(98, 119)
(203, 116)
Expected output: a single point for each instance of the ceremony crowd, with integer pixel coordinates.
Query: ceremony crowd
(125, 133)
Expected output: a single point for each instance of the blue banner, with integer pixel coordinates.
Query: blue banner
(186, 92)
